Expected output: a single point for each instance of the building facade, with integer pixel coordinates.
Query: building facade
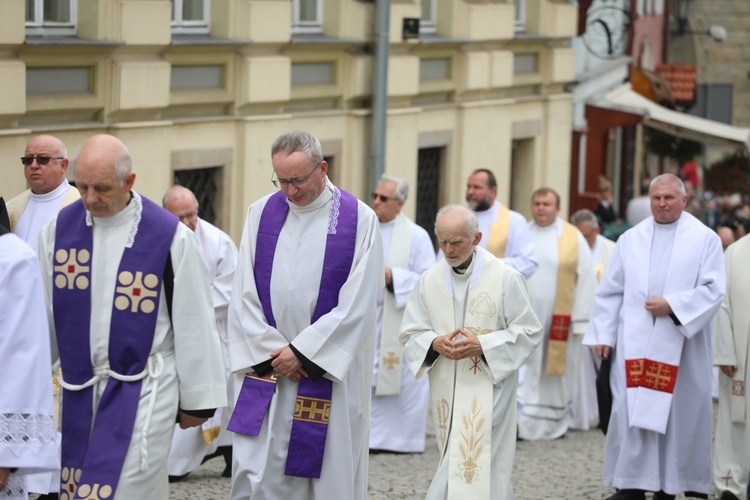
(199, 89)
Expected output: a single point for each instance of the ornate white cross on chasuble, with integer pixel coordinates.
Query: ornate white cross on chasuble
(70, 269)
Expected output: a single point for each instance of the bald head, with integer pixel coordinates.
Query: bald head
(103, 174)
(44, 179)
(182, 202)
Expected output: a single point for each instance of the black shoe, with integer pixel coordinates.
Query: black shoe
(177, 479)
(226, 452)
(660, 495)
(726, 495)
(628, 495)
(49, 496)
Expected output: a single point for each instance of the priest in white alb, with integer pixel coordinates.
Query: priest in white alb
(731, 349)
(133, 324)
(399, 402)
(505, 233)
(561, 294)
(27, 433)
(652, 317)
(584, 410)
(45, 162)
(302, 334)
(470, 326)
(191, 447)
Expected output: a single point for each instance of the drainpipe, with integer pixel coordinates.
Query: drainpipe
(379, 90)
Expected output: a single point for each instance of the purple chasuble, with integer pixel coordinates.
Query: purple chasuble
(92, 456)
(313, 405)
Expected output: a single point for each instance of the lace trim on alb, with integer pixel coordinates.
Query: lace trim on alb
(333, 217)
(20, 431)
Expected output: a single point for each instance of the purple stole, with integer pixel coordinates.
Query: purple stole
(92, 457)
(313, 405)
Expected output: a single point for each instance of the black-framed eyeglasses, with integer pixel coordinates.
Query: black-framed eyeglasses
(381, 197)
(41, 160)
(297, 182)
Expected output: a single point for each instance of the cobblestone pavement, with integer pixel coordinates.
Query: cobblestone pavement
(567, 468)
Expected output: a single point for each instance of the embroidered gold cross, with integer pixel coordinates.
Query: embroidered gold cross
(312, 409)
(658, 377)
(635, 372)
(475, 364)
(391, 360)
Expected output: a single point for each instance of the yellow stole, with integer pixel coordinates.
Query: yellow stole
(498, 239)
(567, 264)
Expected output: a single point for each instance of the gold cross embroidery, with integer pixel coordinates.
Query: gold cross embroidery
(312, 409)
(475, 364)
(391, 360)
(658, 376)
(635, 372)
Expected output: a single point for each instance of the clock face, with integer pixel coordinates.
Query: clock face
(608, 31)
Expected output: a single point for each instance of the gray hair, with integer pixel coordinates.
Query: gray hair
(302, 142)
(402, 187)
(471, 222)
(584, 215)
(668, 180)
(123, 164)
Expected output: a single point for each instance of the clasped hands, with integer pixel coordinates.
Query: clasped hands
(467, 345)
(286, 364)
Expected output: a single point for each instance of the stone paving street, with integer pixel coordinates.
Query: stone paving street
(568, 468)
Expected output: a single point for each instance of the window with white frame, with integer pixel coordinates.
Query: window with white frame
(307, 16)
(520, 21)
(428, 19)
(51, 17)
(191, 17)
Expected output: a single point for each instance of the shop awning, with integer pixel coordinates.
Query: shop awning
(673, 122)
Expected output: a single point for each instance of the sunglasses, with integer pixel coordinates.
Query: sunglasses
(382, 198)
(41, 160)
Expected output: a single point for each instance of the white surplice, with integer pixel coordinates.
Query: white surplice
(220, 255)
(544, 401)
(398, 422)
(520, 251)
(731, 348)
(584, 409)
(517, 334)
(341, 342)
(29, 212)
(680, 459)
(193, 371)
(27, 434)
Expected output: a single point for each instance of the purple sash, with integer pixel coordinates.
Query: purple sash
(92, 457)
(313, 405)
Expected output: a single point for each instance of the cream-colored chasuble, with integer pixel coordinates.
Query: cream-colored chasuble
(567, 264)
(461, 391)
(498, 240)
(389, 370)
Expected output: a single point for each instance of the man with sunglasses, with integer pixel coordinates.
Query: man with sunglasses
(399, 402)
(44, 164)
(302, 334)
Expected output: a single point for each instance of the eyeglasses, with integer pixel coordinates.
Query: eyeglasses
(188, 216)
(382, 198)
(41, 160)
(297, 182)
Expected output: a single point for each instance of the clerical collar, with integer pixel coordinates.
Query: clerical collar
(60, 190)
(460, 271)
(317, 203)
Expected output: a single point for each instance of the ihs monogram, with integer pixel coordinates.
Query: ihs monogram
(136, 292)
(70, 269)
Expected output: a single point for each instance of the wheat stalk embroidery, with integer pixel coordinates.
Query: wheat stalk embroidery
(470, 446)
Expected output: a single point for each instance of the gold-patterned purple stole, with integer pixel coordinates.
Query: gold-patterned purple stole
(313, 405)
(93, 455)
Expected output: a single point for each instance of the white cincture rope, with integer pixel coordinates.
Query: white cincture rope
(154, 368)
